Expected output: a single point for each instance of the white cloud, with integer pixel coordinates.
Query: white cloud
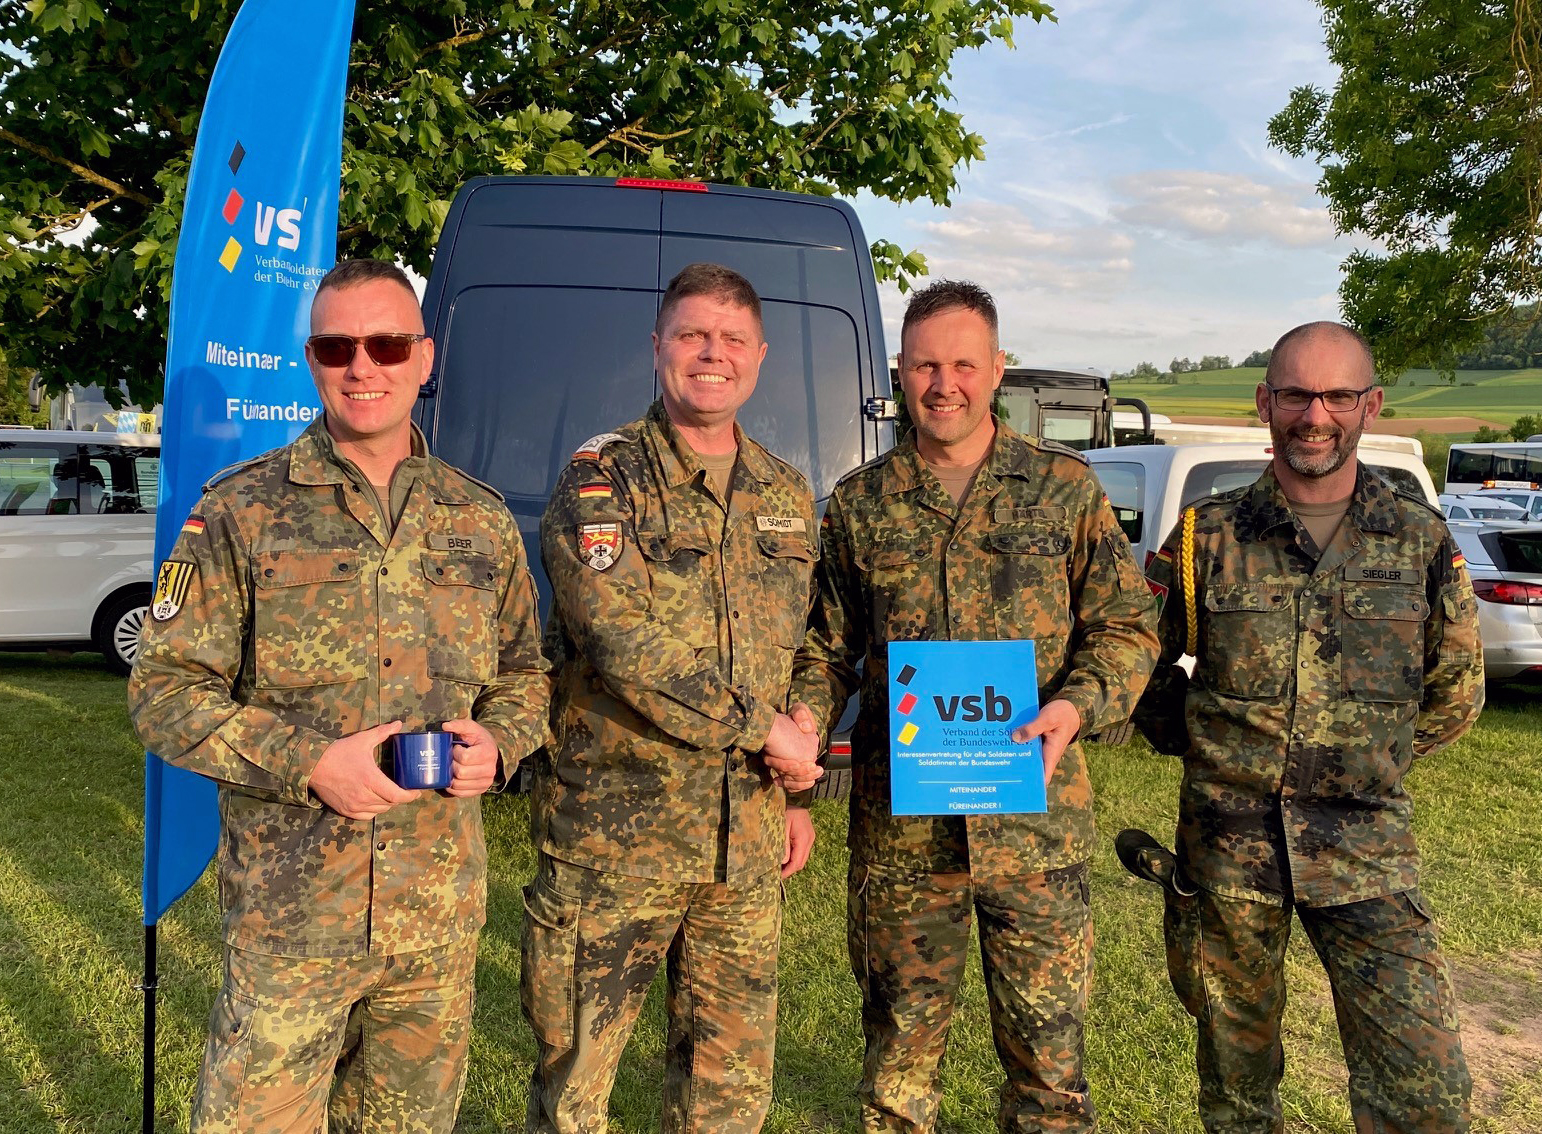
(1227, 207)
(1000, 247)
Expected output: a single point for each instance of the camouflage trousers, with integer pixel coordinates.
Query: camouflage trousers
(591, 945)
(341, 1044)
(1395, 1007)
(908, 934)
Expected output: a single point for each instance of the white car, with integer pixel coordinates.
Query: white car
(1530, 500)
(1471, 506)
(77, 537)
(1150, 485)
(1505, 562)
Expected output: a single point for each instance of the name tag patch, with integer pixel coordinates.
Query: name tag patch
(1406, 575)
(780, 524)
(451, 541)
(599, 545)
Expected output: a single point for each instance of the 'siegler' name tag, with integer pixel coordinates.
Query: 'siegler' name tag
(1383, 575)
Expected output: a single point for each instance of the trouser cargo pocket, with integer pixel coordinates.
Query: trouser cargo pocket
(548, 954)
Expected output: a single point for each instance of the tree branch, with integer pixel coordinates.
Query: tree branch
(77, 169)
(69, 220)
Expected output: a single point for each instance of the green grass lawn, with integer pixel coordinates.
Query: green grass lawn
(1494, 395)
(71, 792)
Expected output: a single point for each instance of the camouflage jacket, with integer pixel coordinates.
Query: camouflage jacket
(1033, 552)
(672, 634)
(1315, 686)
(288, 616)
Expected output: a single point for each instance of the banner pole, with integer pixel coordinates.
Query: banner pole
(148, 987)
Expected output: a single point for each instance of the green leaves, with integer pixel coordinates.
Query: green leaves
(1431, 144)
(828, 96)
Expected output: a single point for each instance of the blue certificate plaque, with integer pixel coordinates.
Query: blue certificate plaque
(952, 709)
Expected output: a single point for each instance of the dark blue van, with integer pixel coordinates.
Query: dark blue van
(542, 301)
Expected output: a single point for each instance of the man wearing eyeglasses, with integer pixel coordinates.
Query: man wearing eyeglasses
(1335, 636)
(321, 598)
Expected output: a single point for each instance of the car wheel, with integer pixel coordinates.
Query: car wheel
(118, 624)
(834, 784)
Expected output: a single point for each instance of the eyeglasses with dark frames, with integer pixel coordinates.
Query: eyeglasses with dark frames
(1335, 401)
(391, 349)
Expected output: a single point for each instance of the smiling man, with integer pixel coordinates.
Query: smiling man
(321, 598)
(681, 559)
(966, 531)
(1335, 637)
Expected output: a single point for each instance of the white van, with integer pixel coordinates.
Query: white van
(77, 534)
(1150, 485)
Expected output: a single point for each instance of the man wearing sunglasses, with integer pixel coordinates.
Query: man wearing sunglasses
(1335, 636)
(321, 598)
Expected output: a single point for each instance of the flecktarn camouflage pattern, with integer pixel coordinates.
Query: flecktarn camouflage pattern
(1034, 551)
(1318, 681)
(302, 617)
(675, 618)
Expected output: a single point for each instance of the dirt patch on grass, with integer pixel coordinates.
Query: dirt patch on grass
(1400, 426)
(1501, 1006)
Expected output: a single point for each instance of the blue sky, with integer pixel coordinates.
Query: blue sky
(1129, 206)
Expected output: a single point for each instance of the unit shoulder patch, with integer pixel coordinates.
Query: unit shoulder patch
(599, 545)
(171, 586)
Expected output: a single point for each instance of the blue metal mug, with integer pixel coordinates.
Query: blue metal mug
(422, 760)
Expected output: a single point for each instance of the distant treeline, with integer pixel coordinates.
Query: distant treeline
(1147, 372)
(1513, 341)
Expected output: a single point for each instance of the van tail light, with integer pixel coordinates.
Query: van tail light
(660, 183)
(1512, 594)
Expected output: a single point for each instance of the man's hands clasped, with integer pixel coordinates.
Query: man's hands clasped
(792, 749)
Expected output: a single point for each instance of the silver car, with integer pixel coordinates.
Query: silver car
(1505, 561)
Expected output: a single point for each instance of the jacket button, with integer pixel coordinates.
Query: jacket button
(387, 663)
(439, 570)
(380, 846)
(342, 566)
(268, 574)
(383, 571)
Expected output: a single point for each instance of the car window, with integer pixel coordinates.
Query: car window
(1212, 479)
(38, 479)
(130, 479)
(1519, 551)
(1402, 480)
(1124, 483)
(1457, 512)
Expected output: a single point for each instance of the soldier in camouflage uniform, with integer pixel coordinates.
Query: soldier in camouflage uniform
(968, 531)
(321, 598)
(1336, 637)
(681, 557)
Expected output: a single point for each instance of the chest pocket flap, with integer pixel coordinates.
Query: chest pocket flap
(302, 568)
(451, 570)
(1033, 541)
(1402, 604)
(785, 547)
(1244, 598)
(889, 556)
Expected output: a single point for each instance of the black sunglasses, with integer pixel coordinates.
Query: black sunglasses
(387, 349)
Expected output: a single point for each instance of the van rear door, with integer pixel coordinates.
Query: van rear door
(542, 302)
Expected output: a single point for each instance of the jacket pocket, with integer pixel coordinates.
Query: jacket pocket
(786, 572)
(677, 580)
(306, 607)
(1028, 569)
(1383, 639)
(460, 614)
(1247, 646)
